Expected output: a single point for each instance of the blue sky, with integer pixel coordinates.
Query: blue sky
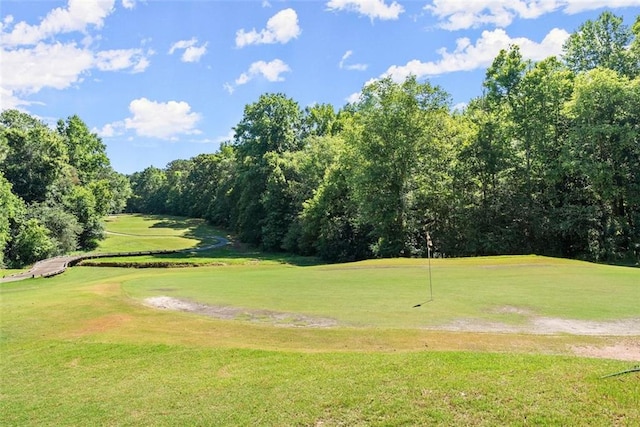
(166, 80)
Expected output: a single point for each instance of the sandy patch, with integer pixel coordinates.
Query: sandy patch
(234, 313)
(623, 350)
(548, 326)
(625, 334)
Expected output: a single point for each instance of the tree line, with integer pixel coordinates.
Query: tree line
(546, 161)
(56, 186)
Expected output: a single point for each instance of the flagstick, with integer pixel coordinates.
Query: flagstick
(429, 246)
(430, 285)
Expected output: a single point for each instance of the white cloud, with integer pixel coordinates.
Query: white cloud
(467, 56)
(128, 4)
(31, 62)
(141, 65)
(6, 21)
(281, 28)
(269, 70)
(164, 120)
(216, 140)
(22, 69)
(229, 88)
(121, 59)
(458, 15)
(65, 64)
(192, 52)
(110, 130)
(577, 6)
(75, 17)
(182, 44)
(371, 8)
(8, 101)
(354, 98)
(351, 67)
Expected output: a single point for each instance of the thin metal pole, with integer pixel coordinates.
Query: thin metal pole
(430, 285)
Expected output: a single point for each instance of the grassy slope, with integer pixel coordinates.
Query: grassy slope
(81, 348)
(139, 233)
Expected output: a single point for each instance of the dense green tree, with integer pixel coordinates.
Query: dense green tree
(82, 204)
(484, 175)
(221, 207)
(634, 50)
(30, 244)
(200, 184)
(602, 43)
(65, 181)
(269, 126)
(301, 173)
(496, 161)
(176, 172)
(605, 144)
(328, 221)
(11, 207)
(4, 147)
(63, 227)
(321, 120)
(149, 191)
(394, 145)
(504, 76)
(36, 155)
(18, 120)
(542, 129)
(87, 153)
(277, 201)
(120, 190)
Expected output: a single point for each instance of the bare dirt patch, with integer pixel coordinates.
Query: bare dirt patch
(622, 350)
(548, 326)
(624, 342)
(234, 313)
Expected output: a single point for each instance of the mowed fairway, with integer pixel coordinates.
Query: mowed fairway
(258, 342)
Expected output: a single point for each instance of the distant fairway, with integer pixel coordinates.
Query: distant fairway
(260, 341)
(126, 233)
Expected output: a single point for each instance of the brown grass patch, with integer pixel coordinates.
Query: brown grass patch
(106, 289)
(103, 324)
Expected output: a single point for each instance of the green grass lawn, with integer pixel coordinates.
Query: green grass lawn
(381, 293)
(82, 348)
(129, 233)
(125, 233)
